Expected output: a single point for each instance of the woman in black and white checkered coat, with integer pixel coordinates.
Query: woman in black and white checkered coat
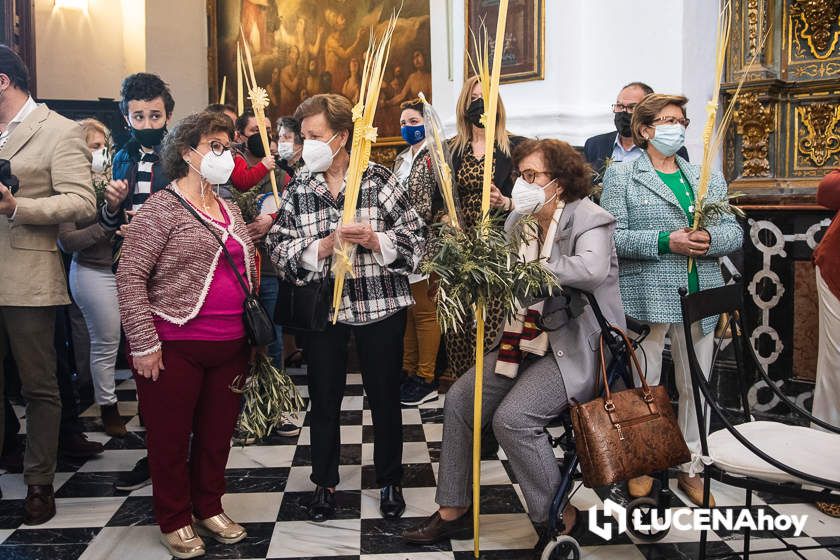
(389, 242)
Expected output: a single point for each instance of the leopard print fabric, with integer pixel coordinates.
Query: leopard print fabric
(460, 348)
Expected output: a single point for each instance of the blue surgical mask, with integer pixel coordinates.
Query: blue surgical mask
(669, 138)
(413, 134)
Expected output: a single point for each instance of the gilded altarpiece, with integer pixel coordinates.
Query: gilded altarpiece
(785, 136)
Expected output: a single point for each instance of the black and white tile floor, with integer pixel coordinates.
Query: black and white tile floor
(268, 486)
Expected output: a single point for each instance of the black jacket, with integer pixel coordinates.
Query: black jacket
(598, 148)
(124, 167)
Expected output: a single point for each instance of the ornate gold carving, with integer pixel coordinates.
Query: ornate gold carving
(822, 139)
(816, 20)
(754, 123)
(385, 155)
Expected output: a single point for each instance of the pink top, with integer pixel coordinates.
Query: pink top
(220, 317)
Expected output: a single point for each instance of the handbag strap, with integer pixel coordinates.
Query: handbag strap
(647, 396)
(229, 258)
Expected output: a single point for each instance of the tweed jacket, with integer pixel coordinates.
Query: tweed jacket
(583, 259)
(48, 154)
(643, 206)
(168, 262)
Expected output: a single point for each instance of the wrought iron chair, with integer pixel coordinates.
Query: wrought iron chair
(764, 456)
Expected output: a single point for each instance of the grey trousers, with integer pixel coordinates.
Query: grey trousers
(519, 410)
(30, 340)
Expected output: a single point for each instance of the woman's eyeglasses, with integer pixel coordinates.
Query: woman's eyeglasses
(529, 175)
(672, 120)
(217, 147)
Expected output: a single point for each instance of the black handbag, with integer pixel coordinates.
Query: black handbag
(304, 308)
(258, 325)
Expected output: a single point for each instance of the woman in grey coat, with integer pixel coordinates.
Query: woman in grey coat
(530, 376)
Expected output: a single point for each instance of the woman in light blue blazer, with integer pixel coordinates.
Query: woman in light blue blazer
(653, 200)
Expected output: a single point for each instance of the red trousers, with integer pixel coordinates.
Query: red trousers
(191, 396)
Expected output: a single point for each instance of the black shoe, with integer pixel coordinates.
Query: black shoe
(322, 506)
(136, 478)
(287, 429)
(77, 446)
(434, 529)
(39, 506)
(391, 502)
(414, 391)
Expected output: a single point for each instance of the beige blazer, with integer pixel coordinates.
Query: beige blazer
(49, 156)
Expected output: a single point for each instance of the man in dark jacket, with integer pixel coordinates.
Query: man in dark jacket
(618, 145)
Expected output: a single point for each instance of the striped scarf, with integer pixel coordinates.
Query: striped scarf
(522, 335)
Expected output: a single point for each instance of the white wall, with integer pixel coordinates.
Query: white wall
(86, 54)
(592, 48)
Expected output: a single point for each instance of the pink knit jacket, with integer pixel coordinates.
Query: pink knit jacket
(167, 264)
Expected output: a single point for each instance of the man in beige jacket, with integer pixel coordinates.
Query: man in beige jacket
(48, 155)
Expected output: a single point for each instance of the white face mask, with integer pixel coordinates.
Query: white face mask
(285, 150)
(99, 160)
(318, 155)
(215, 169)
(529, 198)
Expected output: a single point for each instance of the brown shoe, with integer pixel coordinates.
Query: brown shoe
(111, 419)
(693, 488)
(39, 506)
(640, 486)
(77, 446)
(434, 529)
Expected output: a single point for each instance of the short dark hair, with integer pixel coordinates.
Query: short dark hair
(12, 65)
(187, 134)
(415, 104)
(563, 162)
(646, 111)
(641, 85)
(291, 124)
(242, 120)
(143, 86)
(220, 108)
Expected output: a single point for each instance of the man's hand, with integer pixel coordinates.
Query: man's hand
(123, 231)
(115, 194)
(689, 243)
(7, 201)
(268, 162)
(259, 227)
(360, 234)
(149, 366)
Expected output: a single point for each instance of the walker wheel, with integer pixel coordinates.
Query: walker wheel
(649, 507)
(563, 547)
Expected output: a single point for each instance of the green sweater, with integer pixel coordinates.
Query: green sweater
(681, 188)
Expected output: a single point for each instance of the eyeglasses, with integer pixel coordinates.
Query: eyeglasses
(217, 147)
(672, 120)
(529, 175)
(622, 108)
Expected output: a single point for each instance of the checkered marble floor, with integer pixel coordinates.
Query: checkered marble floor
(268, 487)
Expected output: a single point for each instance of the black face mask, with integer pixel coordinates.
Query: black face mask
(622, 124)
(149, 137)
(255, 146)
(475, 111)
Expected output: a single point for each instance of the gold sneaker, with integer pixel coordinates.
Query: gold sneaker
(222, 528)
(183, 543)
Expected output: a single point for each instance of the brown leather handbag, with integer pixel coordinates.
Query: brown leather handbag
(628, 433)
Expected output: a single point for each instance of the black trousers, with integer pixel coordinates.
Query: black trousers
(380, 349)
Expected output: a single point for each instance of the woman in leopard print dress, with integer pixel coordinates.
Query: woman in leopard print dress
(468, 159)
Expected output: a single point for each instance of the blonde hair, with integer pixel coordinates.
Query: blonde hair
(92, 126)
(464, 137)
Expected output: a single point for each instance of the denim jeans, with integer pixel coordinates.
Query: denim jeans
(269, 286)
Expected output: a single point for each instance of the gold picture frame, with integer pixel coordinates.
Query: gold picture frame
(524, 58)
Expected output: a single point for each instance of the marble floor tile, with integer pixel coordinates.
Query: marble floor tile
(137, 542)
(503, 531)
(259, 457)
(114, 461)
(305, 539)
(252, 507)
(82, 512)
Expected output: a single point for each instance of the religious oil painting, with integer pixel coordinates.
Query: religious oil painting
(523, 57)
(301, 48)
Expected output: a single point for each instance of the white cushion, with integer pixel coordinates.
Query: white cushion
(807, 450)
